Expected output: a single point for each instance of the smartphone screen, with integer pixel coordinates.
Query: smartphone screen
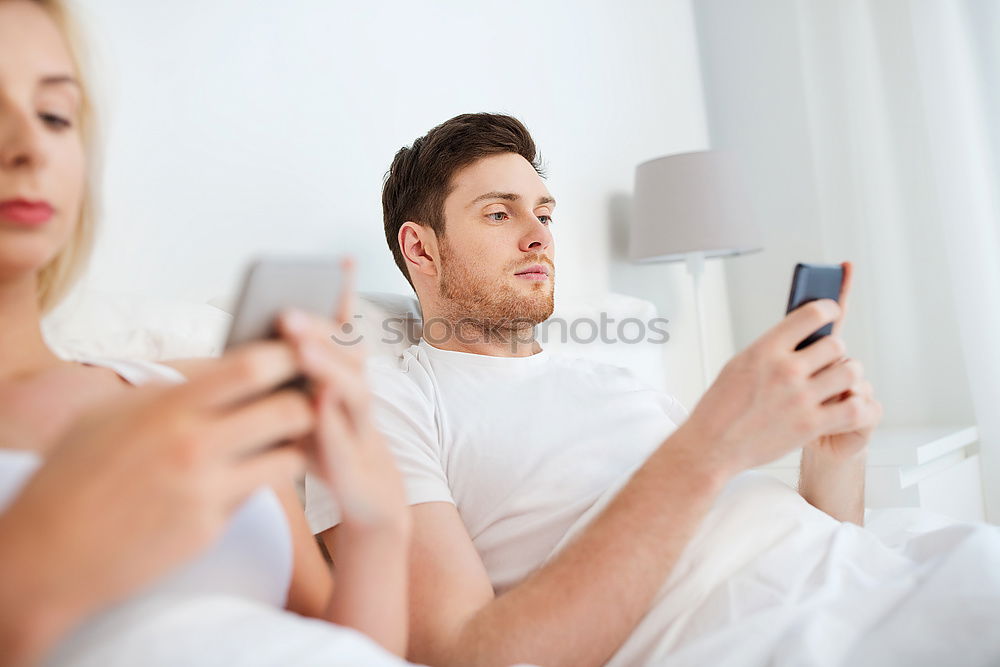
(811, 282)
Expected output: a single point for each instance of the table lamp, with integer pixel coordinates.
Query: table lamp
(691, 207)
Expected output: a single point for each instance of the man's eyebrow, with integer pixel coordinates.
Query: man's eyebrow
(506, 196)
(511, 196)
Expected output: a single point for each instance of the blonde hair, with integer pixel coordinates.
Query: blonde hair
(57, 277)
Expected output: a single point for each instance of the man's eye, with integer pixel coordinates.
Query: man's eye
(499, 216)
(54, 121)
(545, 219)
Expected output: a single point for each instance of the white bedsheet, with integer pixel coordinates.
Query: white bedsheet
(770, 580)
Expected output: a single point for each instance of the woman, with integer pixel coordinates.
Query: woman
(128, 515)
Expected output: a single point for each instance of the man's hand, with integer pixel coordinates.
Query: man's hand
(832, 473)
(849, 444)
(771, 399)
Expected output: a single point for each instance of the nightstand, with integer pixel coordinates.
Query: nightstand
(935, 468)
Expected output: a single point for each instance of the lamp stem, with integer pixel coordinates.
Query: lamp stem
(696, 267)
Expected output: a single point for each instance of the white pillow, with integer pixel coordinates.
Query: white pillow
(128, 326)
(94, 323)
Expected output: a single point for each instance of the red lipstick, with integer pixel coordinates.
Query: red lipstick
(25, 213)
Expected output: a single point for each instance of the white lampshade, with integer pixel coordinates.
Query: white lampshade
(691, 202)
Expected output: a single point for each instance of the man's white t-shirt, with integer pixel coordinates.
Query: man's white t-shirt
(523, 446)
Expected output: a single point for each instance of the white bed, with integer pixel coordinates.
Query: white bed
(912, 589)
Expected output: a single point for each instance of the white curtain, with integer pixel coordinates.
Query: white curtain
(874, 131)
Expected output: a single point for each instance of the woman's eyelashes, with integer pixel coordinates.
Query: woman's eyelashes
(54, 121)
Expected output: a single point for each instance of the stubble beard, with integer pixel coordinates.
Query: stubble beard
(489, 307)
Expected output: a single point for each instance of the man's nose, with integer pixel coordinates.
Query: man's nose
(538, 238)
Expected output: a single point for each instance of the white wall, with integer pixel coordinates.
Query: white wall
(240, 127)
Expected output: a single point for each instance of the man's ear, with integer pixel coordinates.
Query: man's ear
(418, 244)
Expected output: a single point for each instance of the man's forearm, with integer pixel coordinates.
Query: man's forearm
(834, 485)
(581, 606)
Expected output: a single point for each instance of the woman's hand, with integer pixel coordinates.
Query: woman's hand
(346, 450)
(139, 486)
(371, 544)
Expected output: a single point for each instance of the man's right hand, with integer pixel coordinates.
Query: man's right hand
(769, 399)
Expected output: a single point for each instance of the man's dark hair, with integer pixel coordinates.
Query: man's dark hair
(419, 179)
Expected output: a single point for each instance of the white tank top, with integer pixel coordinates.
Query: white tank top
(252, 559)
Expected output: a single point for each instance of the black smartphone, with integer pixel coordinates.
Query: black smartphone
(811, 282)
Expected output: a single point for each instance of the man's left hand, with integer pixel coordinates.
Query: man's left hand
(851, 444)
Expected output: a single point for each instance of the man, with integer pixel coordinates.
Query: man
(552, 500)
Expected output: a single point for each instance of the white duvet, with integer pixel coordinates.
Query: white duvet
(221, 631)
(770, 580)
